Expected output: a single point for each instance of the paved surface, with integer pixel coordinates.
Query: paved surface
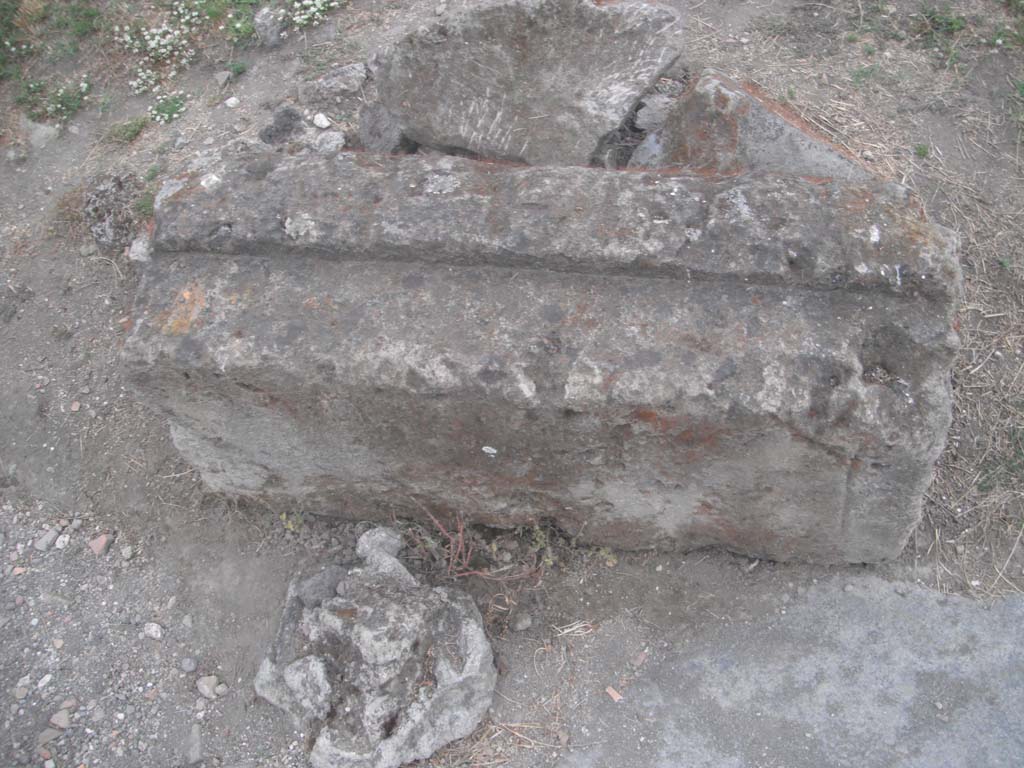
(851, 674)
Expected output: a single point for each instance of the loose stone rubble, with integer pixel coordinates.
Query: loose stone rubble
(748, 348)
(380, 669)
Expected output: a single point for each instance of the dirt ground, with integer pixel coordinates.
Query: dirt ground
(925, 98)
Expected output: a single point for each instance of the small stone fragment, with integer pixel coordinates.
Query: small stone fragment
(62, 541)
(101, 544)
(57, 643)
(522, 622)
(141, 249)
(153, 630)
(221, 689)
(194, 745)
(47, 736)
(45, 541)
(207, 686)
(75, 406)
(188, 664)
(20, 693)
(322, 121)
(330, 142)
(127, 553)
(44, 681)
(287, 123)
(61, 719)
(269, 26)
(232, 102)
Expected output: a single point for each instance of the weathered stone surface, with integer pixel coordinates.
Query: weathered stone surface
(381, 670)
(537, 81)
(647, 358)
(724, 128)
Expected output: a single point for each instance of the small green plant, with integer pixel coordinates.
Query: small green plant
(292, 522)
(1018, 86)
(233, 17)
(869, 50)
(943, 22)
(128, 131)
(145, 203)
(168, 107)
(78, 19)
(852, 37)
(237, 68)
(44, 102)
(1003, 36)
(152, 172)
(922, 150)
(861, 75)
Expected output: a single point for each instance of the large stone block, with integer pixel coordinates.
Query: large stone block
(648, 358)
(536, 81)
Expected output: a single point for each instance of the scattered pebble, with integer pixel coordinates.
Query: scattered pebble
(232, 103)
(127, 553)
(47, 736)
(153, 630)
(101, 544)
(61, 719)
(522, 622)
(322, 121)
(188, 664)
(848, 588)
(44, 681)
(45, 541)
(62, 541)
(194, 745)
(207, 686)
(58, 643)
(221, 689)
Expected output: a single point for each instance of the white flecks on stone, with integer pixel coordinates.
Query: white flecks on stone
(875, 234)
(210, 181)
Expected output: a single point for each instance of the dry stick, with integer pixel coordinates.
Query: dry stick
(1008, 558)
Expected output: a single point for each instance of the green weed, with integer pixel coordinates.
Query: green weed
(861, 75)
(43, 101)
(943, 22)
(145, 204)
(77, 19)
(922, 150)
(128, 131)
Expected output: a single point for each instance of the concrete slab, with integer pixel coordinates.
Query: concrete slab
(851, 672)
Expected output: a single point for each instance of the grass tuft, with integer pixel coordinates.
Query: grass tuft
(128, 131)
